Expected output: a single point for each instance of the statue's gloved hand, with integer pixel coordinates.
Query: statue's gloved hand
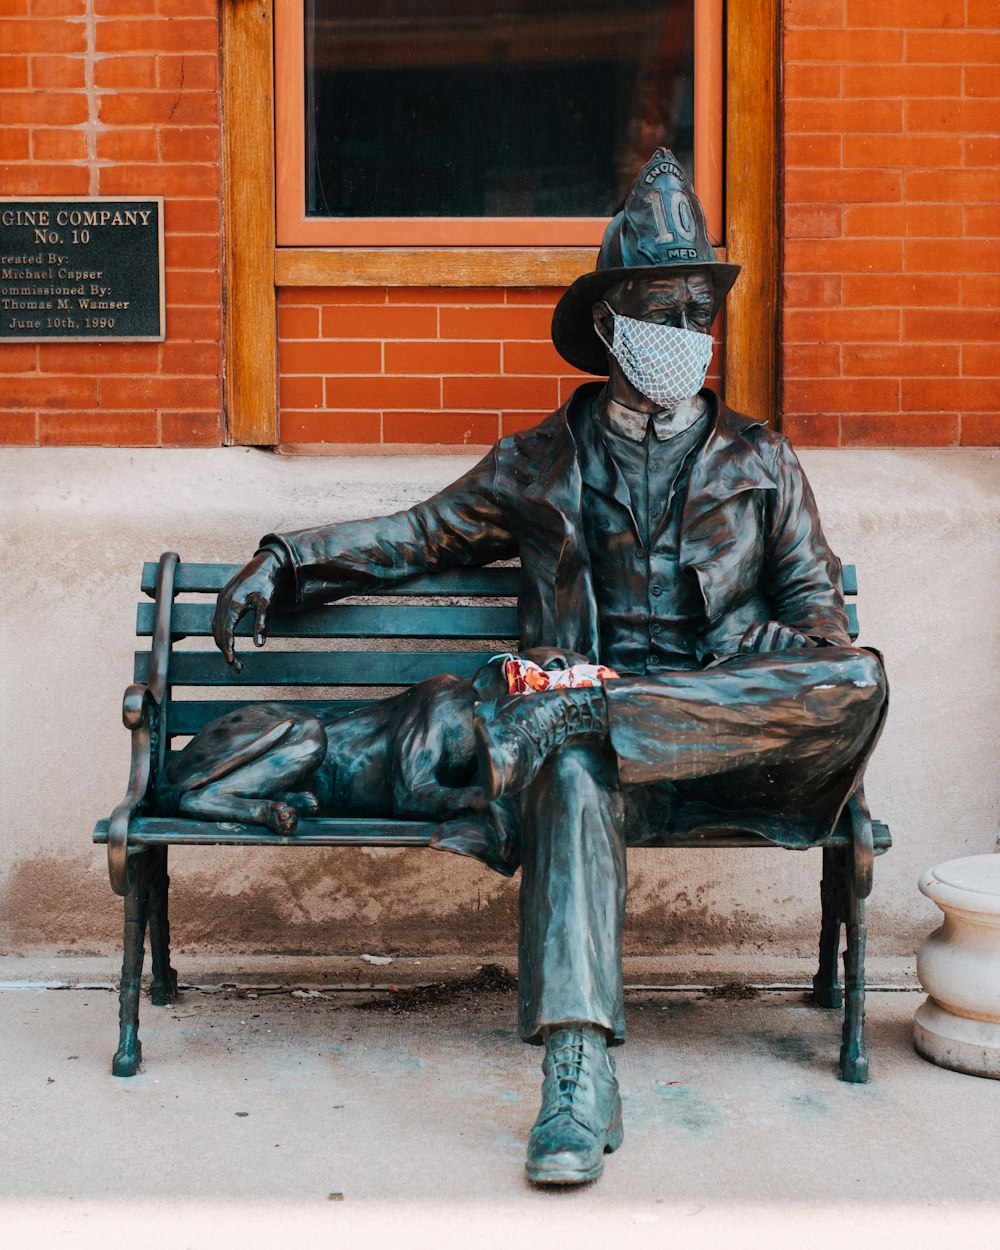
(251, 590)
(772, 636)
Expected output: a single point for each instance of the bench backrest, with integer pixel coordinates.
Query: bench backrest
(345, 649)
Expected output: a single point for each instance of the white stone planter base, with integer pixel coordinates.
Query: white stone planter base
(958, 1026)
(950, 1041)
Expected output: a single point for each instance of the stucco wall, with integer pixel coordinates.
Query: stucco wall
(922, 526)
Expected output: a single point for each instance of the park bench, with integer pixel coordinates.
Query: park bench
(473, 609)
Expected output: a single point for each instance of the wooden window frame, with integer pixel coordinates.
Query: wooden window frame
(255, 267)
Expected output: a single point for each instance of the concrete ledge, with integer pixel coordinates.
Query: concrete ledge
(922, 526)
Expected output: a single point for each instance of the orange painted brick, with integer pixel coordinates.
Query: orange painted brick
(847, 186)
(193, 324)
(909, 151)
(843, 46)
(906, 14)
(899, 430)
(127, 145)
(985, 13)
(958, 47)
(125, 8)
(528, 358)
(909, 220)
(982, 219)
(843, 325)
(902, 81)
(963, 186)
(510, 322)
(14, 72)
(178, 34)
(58, 8)
(537, 296)
(814, 150)
(950, 325)
(891, 360)
(62, 72)
(324, 295)
(18, 357)
(188, 8)
(954, 116)
(96, 359)
(844, 255)
(841, 395)
(296, 392)
(190, 143)
(47, 180)
(345, 391)
(812, 429)
(324, 357)
(159, 392)
(972, 255)
(811, 360)
(981, 80)
(980, 429)
(813, 290)
(42, 108)
(192, 251)
(190, 108)
(13, 8)
(842, 116)
(442, 358)
(14, 144)
(454, 428)
(54, 37)
(192, 287)
(984, 150)
(32, 390)
(190, 359)
(901, 290)
(98, 429)
(943, 394)
(19, 429)
(813, 13)
(981, 361)
(58, 145)
(501, 392)
(514, 422)
(125, 71)
(980, 290)
(191, 429)
(175, 73)
(191, 216)
(298, 323)
(813, 220)
(811, 82)
(194, 180)
(330, 427)
(364, 321)
(435, 295)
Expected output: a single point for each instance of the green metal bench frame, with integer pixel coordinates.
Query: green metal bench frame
(473, 605)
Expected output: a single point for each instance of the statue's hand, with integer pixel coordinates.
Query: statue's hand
(772, 636)
(252, 589)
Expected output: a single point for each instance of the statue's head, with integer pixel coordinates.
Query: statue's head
(655, 263)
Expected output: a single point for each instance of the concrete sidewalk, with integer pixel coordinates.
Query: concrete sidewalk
(276, 1115)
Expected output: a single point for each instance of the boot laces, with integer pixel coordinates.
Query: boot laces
(568, 1060)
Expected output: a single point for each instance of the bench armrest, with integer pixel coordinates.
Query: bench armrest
(863, 843)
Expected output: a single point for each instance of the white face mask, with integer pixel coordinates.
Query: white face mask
(667, 364)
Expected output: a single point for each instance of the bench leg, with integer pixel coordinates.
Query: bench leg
(853, 1056)
(164, 987)
(826, 986)
(129, 1053)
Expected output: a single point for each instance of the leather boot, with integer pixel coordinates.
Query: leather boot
(515, 736)
(581, 1115)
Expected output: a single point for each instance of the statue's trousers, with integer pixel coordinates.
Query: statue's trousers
(773, 743)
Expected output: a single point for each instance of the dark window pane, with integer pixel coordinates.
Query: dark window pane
(459, 108)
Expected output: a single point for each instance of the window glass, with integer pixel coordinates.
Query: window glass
(463, 108)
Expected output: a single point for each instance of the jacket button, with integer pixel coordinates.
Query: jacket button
(655, 628)
(656, 590)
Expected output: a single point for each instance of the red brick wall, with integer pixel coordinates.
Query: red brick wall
(890, 321)
(119, 97)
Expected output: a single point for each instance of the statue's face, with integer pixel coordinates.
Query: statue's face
(686, 300)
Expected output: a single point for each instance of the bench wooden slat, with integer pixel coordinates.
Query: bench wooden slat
(307, 668)
(176, 831)
(188, 716)
(194, 620)
(853, 628)
(476, 583)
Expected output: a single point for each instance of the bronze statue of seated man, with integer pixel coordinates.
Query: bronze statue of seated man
(661, 534)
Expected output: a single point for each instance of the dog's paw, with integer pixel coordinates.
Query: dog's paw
(281, 817)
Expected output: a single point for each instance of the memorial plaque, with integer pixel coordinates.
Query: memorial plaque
(76, 269)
